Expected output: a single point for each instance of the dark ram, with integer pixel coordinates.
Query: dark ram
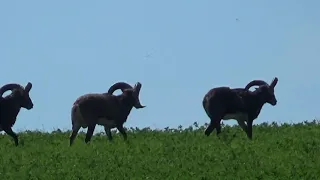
(106, 109)
(11, 104)
(241, 104)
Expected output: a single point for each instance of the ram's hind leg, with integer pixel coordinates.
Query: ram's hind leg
(214, 113)
(75, 130)
(122, 131)
(218, 127)
(108, 133)
(214, 124)
(209, 129)
(9, 131)
(90, 131)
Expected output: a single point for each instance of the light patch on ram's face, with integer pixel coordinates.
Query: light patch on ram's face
(236, 116)
(106, 122)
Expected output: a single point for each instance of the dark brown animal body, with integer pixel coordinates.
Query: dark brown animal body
(224, 103)
(10, 106)
(106, 109)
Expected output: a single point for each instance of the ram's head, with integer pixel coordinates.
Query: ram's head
(20, 94)
(265, 89)
(129, 91)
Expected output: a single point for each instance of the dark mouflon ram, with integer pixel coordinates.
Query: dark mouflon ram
(106, 109)
(241, 104)
(11, 104)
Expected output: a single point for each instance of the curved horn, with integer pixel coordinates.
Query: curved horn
(274, 82)
(136, 90)
(8, 87)
(119, 85)
(255, 83)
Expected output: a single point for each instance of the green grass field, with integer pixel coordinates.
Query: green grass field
(276, 152)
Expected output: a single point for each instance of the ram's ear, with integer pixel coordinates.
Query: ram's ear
(28, 87)
(137, 89)
(274, 82)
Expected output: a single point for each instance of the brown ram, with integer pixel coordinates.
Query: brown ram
(10, 106)
(106, 109)
(243, 105)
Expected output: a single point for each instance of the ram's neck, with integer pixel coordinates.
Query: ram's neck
(255, 105)
(126, 107)
(10, 110)
(126, 110)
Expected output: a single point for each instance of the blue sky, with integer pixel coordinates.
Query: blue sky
(177, 49)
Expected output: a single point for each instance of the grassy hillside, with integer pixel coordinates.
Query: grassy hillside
(276, 152)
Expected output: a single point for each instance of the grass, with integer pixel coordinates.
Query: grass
(276, 152)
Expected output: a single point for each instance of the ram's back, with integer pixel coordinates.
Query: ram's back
(223, 99)
(98, 105)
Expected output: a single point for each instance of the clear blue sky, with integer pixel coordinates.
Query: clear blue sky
(177, 49)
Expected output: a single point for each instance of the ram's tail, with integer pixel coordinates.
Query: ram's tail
(77, 122)
(205, 105)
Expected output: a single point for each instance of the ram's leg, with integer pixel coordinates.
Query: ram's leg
(122, 131)
(249, 131)
(9, 131)
(218, 127)
(75, 130)
(209, 129)
(108, 133)
(243, 125)
(90, 131)
(214, 123)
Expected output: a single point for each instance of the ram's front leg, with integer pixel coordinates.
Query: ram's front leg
(90, 131)
(249, 129)
(9, 131)
(243, 126)
(122, 131)
(241, 121)
(108, 132)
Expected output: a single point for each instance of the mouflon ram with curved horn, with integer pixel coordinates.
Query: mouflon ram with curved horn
(106, 109)
(241, 104)
(11, 104)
